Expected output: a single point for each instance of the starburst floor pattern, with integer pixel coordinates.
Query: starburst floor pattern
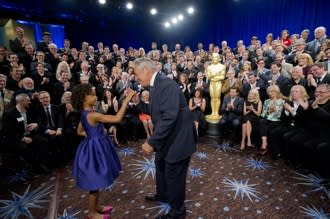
(21, 204)
(257, 164)
(146, 167)
(195, 172)
(201, 155)
(314, 213)
(69, 214)
(225, 147)
(317, 183)
(241, 188)
(127, 151)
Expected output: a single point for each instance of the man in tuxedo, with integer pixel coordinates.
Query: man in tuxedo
(173, 139)
(232, 111)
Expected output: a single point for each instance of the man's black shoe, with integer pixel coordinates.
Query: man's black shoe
(154, 198)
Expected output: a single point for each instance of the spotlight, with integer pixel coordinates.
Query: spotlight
(102, 2)
(129, 5)
(167, 24)
(153, 11)
(190, 10)
(174, 20)
(180, 17)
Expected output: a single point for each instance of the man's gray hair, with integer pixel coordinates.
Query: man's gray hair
(145, 63)
(20, 97)
(3, 76)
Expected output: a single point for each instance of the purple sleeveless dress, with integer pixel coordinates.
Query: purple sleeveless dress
(96, 164)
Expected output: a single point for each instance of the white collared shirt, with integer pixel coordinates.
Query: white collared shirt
(152, 80)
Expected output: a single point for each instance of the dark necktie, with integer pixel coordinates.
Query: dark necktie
(49, 118)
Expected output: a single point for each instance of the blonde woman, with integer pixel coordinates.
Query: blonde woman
(145, 118)
(271, 115)
(305, 61)
(251, 111)
(292, 121)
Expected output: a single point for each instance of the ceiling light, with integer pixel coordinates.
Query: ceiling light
(167, 24)
(190, 10)
(153, 11)
(129, 5)
(174, 20)
(102, 2)
(180, 17)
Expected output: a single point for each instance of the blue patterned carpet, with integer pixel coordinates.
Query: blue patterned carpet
(222, 182)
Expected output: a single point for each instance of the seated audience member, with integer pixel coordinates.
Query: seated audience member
(200, 84)
(23, 136)
(197, 105)
(40, 56)
(278, 79)
(62, 85)
(271, 116)
(251, 113)
(259, 85)
(231, 82)
(232, 111)
(245, 70)
(50, 124)
(109, 105)
(184, 85)
(145, 118)
(292, 119)
(6, 98)
(303, 143)
(319, 75)
(297, 77)
(305, 61)
(71, 119)
(13, 79)
(42, 79)
(6, 104)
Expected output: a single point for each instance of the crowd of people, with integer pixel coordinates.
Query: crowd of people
(275, 95)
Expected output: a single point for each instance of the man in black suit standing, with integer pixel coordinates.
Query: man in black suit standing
(17, 45)
(173, 139)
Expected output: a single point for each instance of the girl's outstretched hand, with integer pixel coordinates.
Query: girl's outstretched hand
(129, 93)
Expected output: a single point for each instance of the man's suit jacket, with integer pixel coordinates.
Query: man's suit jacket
(56, 114)
(6, 103)
(236, 112)
(326, 79)
(174, 137)
(16, 46)
(14, 125)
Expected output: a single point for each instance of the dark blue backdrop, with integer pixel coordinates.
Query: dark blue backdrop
(213, 21)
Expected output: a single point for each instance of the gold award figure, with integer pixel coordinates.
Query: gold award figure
(216, 74)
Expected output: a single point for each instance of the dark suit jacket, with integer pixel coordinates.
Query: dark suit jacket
(56, 114)
(235, 113)
(14, 125)
(174, 137)
(16, 46)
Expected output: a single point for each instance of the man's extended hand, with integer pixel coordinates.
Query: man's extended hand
(147, 148)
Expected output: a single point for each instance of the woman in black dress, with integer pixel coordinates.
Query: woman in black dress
(252, 110)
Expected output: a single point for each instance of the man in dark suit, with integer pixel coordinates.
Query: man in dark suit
(232, 111)
(173, 139)
(319, 76)
(51, 123)
(21, 131)
(17, 45)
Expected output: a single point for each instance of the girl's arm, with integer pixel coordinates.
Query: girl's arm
(97, 117)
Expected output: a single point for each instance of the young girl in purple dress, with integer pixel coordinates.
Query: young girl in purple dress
(96, 164)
